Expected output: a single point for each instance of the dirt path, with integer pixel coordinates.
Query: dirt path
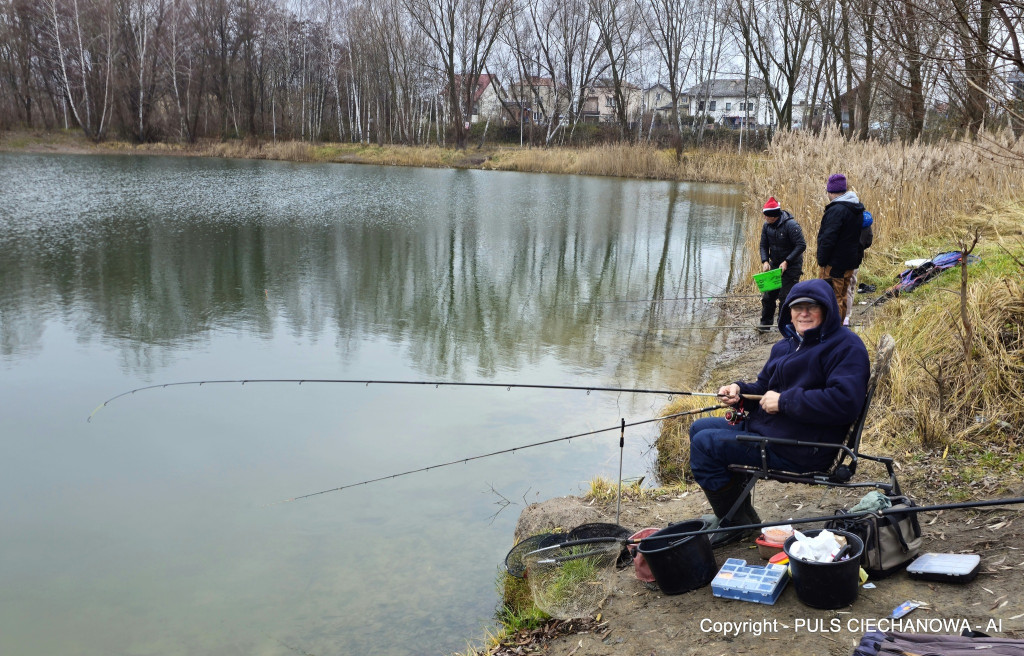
(637, 620)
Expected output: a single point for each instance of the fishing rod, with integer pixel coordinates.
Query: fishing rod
(661, 300)
(620, 427)
(368, 382)
(679, 537)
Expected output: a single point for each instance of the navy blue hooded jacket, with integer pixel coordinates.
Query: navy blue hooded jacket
(821, 379)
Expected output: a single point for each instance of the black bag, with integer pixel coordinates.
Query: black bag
(890, 541)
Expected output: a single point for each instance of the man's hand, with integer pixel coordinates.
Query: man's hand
(783, 266)
(770, 402)
(765, 266)
(730, 394)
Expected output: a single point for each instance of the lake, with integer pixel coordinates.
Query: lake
(158, 527)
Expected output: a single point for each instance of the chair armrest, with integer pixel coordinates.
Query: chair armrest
(767, 441)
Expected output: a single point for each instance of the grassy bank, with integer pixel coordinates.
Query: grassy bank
(920, 194)
(952, 410)
(641, 161)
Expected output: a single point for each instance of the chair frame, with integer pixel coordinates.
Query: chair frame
(848, 454)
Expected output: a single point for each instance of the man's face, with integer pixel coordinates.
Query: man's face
(806, 316)
(770, 219)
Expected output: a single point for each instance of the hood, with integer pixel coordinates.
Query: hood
(850, 198)
(822, 292)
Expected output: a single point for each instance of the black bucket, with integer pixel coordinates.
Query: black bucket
(680, 564)
(827, 585)
(605, 530)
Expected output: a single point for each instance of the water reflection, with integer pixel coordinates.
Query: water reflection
(148, 530)
(478, 271)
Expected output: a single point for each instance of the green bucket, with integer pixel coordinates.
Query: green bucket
(768, 281)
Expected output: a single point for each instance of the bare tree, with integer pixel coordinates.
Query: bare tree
(84, 49)
(777, 34)
(462, 33)
(668, 23)
(618, 25)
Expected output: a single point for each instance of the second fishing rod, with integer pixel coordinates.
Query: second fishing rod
(428, 383)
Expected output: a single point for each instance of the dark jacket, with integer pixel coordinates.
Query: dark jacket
(783, 240)
(839, 234)
(822, 380)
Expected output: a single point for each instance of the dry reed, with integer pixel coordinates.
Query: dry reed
(933, 398)
(641, 161)
(915, 191)
(924, 198)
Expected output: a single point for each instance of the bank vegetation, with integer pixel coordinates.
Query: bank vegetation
(954, 401)
(641, 161)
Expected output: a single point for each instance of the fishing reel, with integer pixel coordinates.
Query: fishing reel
(736, 415)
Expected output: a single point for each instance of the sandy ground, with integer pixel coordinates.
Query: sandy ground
(637, 620)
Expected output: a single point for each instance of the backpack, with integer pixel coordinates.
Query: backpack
(867, 234)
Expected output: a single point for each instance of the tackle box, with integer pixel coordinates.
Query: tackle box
(947, 567)
(761, 584)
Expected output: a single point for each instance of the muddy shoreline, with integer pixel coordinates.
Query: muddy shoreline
(636, 619)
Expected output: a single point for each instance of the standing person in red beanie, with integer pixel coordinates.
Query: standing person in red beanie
(782, 247)
(839, 248)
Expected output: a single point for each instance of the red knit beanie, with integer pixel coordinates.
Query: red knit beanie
(771, 208)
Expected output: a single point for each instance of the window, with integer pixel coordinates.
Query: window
(711, 107)
(657, 97)
(609, 102)
(700, 106)
(728, 106)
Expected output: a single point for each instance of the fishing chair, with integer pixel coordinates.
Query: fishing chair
(848, 454)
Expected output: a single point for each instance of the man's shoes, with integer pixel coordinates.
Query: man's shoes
(763, 329)
(721, 502)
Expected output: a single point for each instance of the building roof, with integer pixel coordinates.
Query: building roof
(482, 82)
(727, 88)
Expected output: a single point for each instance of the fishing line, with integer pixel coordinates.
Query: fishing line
(435, 383)
(621, 427)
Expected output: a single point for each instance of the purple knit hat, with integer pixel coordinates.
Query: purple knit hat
(836, 183)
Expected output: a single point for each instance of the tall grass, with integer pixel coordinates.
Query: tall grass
(932, 398)
(630, 161)
(918, 193)
(623, 160)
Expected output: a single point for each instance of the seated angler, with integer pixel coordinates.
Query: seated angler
(811, 389)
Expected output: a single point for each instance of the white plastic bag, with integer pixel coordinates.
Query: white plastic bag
(822, 548)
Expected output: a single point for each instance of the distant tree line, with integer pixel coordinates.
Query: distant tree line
(404, 71)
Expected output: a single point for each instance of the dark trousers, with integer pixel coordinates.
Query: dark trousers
(713, 447)
(778, 296)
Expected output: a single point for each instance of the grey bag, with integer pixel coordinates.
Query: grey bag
(891, 541)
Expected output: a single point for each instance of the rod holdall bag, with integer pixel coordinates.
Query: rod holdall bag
(890, 541)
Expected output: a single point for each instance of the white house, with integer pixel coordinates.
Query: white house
(486, 102)
(658, 101)
(725, 102)
(599, 106)
(538, 97)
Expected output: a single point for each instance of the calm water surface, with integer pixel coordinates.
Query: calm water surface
(154, 529)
